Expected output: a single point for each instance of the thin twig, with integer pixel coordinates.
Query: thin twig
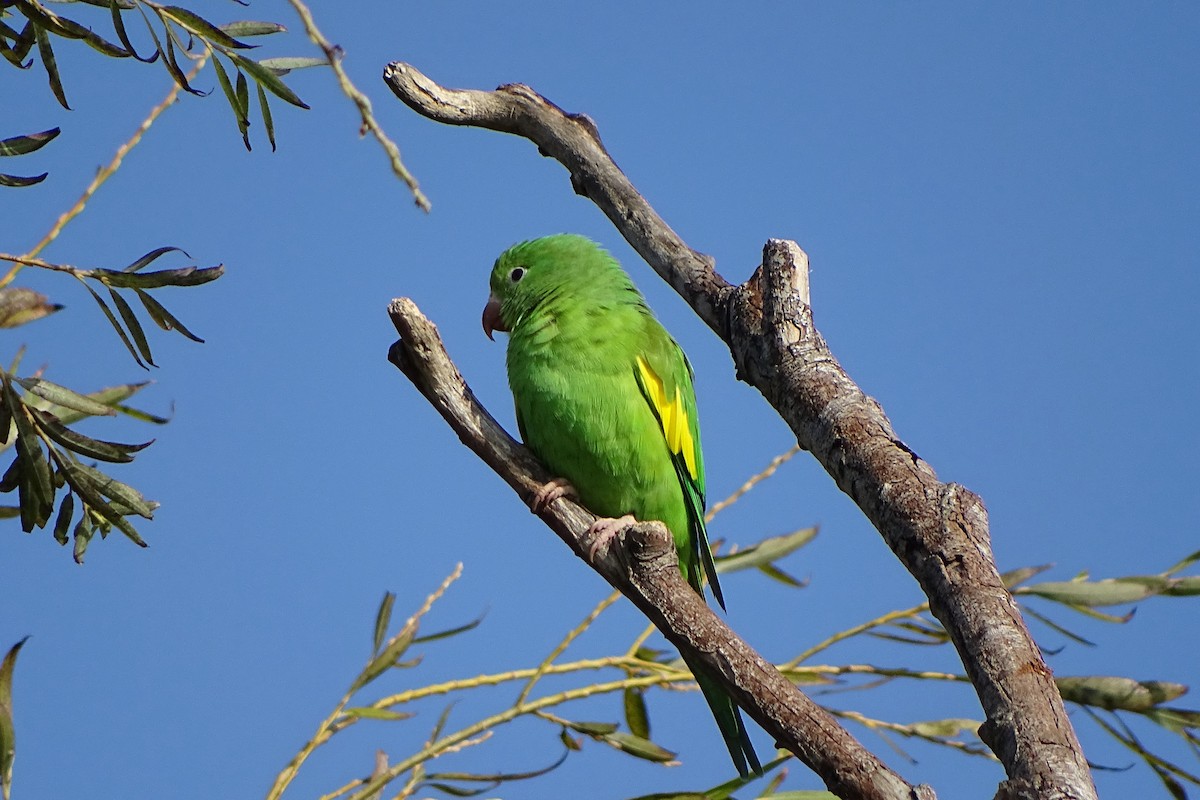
(326, 729)
(913, 732)
(508, 715)
(333, 54)
(105, 172)
(571, 636)
(754, 480)
(891, 616)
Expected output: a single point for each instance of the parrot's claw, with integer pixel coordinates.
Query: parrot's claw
(549, 492)
(604, 530)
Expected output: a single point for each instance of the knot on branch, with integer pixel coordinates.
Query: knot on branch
(770, 313)
(639, 554)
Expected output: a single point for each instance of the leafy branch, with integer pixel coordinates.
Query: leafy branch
(49, 459)
(131, 278)
(19, 146)
(642, 668)
(175, 32)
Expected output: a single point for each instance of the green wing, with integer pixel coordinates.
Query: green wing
(664, 377)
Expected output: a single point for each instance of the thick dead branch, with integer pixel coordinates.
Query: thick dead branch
(645, 570)
(939, 531)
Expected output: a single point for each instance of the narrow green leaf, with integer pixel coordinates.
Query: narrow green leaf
(66, 510)
(112, 488)
(151, 256)
(185, 276)
(387, 658)
(945, 728)
(10, 512)
(1055, 626)
(775, 573)
(383, 618)
(1114, 692)
(1182, 565)
(284, 65)
(47, 54)
(496, 778)
(457, 791)
(635, 713)
(20, 306)
(765, 552)
(36, 486)
(17, 181)
(116, 326)
(52, 23)
(266, 115)
(242, 91)
(6, 421)
(8, 733)
(109, 397)
(168, 54)
(431, 637)
(126, 527)
(113, 452)
(144, 416)
(67, 398)
(22, 42)
(135, 327)
(20, 145)
(597, 729)
(127, 4)
(96, 41)
(241, 119)
(1109, 592)
(163, 318)
(83, 535)
(12, 476)
(1174, 719)
(203, 28)
(440, 725)
(1016, 577)
(367, 712)
(119, 26)
(252, 28)
(639, 747)
(268, 79)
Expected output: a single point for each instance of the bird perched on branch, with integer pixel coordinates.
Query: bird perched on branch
(604, 398)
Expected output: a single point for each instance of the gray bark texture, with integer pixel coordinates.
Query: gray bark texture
(939, 531)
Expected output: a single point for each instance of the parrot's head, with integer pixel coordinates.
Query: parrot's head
(529, 274)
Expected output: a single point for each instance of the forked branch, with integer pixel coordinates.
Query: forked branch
(939, 531)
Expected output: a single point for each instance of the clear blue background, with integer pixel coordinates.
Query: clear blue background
(1001, 208)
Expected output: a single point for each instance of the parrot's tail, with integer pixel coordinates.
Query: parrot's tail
(729, 720)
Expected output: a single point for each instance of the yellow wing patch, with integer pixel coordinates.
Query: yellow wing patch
(672, 415)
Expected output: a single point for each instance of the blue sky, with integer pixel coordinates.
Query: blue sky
(1000, 207)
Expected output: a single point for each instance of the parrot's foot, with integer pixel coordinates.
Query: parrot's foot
(604, 530)
(551, 491)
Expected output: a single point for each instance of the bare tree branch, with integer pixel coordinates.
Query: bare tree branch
(645, 569)
(939, 531)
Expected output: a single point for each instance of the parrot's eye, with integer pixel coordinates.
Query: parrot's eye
(516, 274)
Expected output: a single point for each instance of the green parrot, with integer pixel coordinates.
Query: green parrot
(604, 398)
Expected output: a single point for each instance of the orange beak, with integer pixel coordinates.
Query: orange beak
(491, 316)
